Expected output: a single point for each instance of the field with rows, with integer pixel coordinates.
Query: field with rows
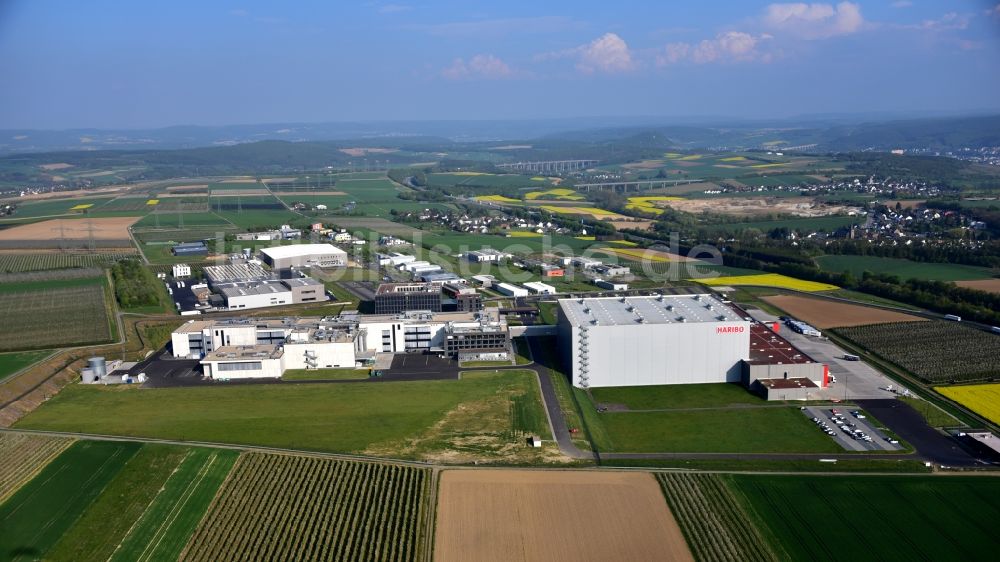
(937, 352)
(716, 526)
(22, 456)
(278, 507)
(55, 316)
(904, 269)
(875, 517)
(983, 399)
(13, 263)
(37, 515)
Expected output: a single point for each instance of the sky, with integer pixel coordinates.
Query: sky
(111, 64)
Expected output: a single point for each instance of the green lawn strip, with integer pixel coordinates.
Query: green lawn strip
(50, 285)
(902, 268)
(547, 312)
(522, 355)
(11, 363)
(164, 529)
(322, 417)
(484, 364)
(935, 416)
(676, 396)
(106, 522)
(593, 425)
(325, 374)
(783, 465)
(875, 517)
(34, 518)
(755, 430)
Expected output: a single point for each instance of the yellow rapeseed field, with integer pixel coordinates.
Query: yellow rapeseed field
(770, 280)
(646, 204)
(983, 399)
(153, 202)
(592, 211)
(772, 165)
(733, 159)
(497, 198)
(523, 234)
(81, 207)
(558, 193)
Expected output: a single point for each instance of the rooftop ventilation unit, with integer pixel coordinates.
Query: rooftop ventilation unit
(681, 319)
(697, 297)
(586, 310)
(670, 307)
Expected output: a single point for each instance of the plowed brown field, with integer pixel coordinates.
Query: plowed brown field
(115, 228)
(828, 314)
(988, 285)
(510, 515)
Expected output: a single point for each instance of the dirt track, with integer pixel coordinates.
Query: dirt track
(510, 515)
(988, 285)
(115, 228)
(828, 314)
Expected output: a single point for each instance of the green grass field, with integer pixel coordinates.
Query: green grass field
(904, 269)
(805, 225)
(675, 396)
(875, 517)
(321, 417)
(169, 520)
(325, 374)
(753, 430)
(34, 518)
(10, 363)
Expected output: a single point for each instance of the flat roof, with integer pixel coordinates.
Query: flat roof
(769, 348)
(406, 288)
(794, 382)
(270, 286)
(235, 271)
(301, 282)
(986, 438)
(662, 309)
(244, 352)
(298, 250)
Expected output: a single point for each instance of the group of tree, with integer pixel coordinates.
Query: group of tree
(135, 285)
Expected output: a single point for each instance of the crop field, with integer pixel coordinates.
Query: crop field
(182, 220)
(377, 224)
(983, 399)
(824, 314)
(369, 190)
(505, 515)
(79, 312)
(48, 275)
(875, 517)
(904, 269)
(647, 204)
(53, 207)
(171, 517)
(988, 285)
(282, 507)
(554, 193)
(770, 280)
(12, 263)
(37, 515)
(715, 524)
(327, 417)
(646, 254)
(23, 455)
(594, 212)
(71, 229)
(497, 199)
(938, 351)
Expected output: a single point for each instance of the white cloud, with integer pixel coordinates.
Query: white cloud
(949, 21)
(608, 53)
(814, 21)
(731, 46)
(488, 67)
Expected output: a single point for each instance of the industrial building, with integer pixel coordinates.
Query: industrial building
(539, 288)
(611, 285)
(652, 340)
(395, 298)
(510, 290)
(304, 255)
(181, 270)
(486, 255)
(776, 370)
(461, 298)
(272, 292)
(265, 348)
(236, 272)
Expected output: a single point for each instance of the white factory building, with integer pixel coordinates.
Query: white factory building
(651, 340)
(265, 348)
(510, 290)
(539, 288)
(304, 255)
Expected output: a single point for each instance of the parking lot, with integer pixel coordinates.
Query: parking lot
(855, 379)
(851, 428)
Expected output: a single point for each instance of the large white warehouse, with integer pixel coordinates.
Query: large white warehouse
(638, 341)
(304, 255)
